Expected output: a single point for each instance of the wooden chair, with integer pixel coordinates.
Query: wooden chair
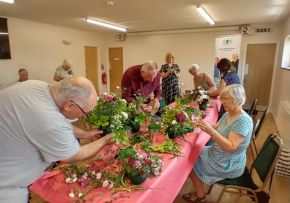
(258, 123)
(263, 166)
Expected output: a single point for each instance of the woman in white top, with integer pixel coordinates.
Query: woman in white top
(63, 71)
(201, 79)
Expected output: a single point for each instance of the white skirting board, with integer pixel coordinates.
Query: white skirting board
(283, 163)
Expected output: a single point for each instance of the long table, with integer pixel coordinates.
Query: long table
(162, 189)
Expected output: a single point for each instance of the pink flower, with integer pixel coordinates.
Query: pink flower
(105, 183)
(180, 117)
(108, 98)
(98, 176)
(138, 164)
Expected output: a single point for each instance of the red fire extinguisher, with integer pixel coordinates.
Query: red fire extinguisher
(104, 78)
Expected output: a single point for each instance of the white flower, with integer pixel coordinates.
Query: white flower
(68, 180)
(124, 114)
(98, 176)
(140, 156)
(80, 194)
(71, 194)
(173, 122)
(105, 93)
(74, 175)
(204, 97)
(123, 100)
(75, 179)
(111, 185)
(186, 115)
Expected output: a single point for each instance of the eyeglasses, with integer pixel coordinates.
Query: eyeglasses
(80, 108)
(226, 98)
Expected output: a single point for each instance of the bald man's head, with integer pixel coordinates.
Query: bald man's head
(79, 90)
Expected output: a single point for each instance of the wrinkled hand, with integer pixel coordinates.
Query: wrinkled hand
(146, 108)
(94, 133)
(108, 138)
(155, 106)
(205, 126)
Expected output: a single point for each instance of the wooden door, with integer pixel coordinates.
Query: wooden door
(258, 72)
(91, 61)
(116, 67)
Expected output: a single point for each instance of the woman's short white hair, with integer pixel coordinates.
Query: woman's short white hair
(69, 89)
(193, 67)
(237, 92)
(66, 62)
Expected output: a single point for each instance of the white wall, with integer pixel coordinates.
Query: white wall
(192, 47)
(38, 47)
(281, 93)
(263, 38)
(197, 46)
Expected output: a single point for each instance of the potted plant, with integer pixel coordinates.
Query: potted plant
(138, 165)
(201, 97)
(176, 120)
(110, 115)
(137, 116)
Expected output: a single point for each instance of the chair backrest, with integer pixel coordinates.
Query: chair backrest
(262, 120)
(253, 107)
(265, 162)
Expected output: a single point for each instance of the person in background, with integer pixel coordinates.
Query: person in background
(142, 79)
(23, 75)
(201, 79)
(169, 74)
(235, 61)
(63, 71)
(216, 70)
(229, 76)
(36, 132)
(226, 158)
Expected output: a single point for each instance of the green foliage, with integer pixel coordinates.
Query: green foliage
(176, 121)
(125, 153)
(168, 146)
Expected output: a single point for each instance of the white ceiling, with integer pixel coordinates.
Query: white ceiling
(147, 15)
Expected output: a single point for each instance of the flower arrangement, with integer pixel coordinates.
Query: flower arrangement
(110, 115)
(138, 165)
(176, 121)
(201, 97)
(136, 115)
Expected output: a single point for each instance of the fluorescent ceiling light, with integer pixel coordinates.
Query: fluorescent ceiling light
(205, 15)
(3, 33)
(106, 25)
(8, 1)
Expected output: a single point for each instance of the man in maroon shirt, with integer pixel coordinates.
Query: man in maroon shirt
(144, 79)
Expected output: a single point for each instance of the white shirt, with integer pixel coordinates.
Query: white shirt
(33, 133)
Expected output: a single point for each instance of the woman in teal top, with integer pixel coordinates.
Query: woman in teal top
(226, 158)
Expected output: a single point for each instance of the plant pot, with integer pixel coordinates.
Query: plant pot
(106, 131)
(189, 129)
(135, 126)
(137, 178)
(203, 106)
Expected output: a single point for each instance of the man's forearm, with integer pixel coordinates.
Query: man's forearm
(88, 150)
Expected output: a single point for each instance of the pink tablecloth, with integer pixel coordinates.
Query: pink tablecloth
(163, 188)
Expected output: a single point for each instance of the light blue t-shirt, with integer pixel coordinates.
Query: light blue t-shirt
(33, 133)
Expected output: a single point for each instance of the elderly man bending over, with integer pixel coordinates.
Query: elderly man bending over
(34, 131)
(144, 79)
